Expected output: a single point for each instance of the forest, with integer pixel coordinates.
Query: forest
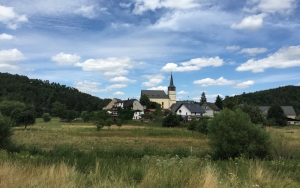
(42, 94)
(284, 96)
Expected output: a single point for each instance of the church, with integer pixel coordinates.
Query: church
(159, 96)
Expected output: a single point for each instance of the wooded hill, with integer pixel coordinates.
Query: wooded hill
(284, 96)
(42, 94)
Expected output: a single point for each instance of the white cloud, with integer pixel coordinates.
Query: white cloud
(182, 93)
(253, 51)
(121, 79)
(87, 86)
(10, 18)
(271, 6)
(125, 5)
(243, 85)
(112, 87)
(153, 80)
(250, 23)
(164, 88)
(283, 58)
(145, 5)
(86, 11)
(232, 48)
(119, 93)
(5, 36)
(210, 82)
(109, 67)
(65, 59)
(193, 64)
(9, 59)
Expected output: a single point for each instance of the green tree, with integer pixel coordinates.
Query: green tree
(219, 102)
(5, 131)
(254, 113)
(231, 134)
(59, 110)
(71, 115)
(276, 112)
(202, 125)
(108, 122)
(192, 125)
(100, 124)
(46, 117)
(85, 116)
(144, 100)
(6, 107)
(171, 120)
(23, 116)
(202, 99)
(119, 123)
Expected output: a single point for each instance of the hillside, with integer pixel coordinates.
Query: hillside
(284, 96)
(42, 94)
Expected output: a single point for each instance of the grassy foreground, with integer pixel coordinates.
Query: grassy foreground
(58, 154)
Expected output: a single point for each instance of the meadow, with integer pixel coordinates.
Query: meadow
(59, 154)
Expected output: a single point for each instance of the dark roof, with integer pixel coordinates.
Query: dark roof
(127, 103)
(158, 94)
(288, 110)
(192, 107)
(213, 106)
(171, 86)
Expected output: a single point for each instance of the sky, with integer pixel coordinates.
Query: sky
(115, 49)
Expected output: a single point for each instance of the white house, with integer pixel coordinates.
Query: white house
(210, 109)
(138, 109)
(189, 110)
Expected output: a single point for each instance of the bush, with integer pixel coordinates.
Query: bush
(202, 125)
(108, 122)
(192, 125)
(171, 120)
(46, 117)
(232, 134)
(276, 112)
(100, 124)
(5, 131)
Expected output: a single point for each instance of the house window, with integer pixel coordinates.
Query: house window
(162, 105)
(179, 111)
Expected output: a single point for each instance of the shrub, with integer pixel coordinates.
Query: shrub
(46, 117)
(192, 125)
(108, 122)
(276, 112)
(119, 123)
(171, 120)
(202, 125)
(5, 131)
(99, 124)
(232, 134)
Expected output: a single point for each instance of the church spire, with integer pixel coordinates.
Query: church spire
(171, 86)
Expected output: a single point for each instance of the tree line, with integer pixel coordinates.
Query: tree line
(41, 95)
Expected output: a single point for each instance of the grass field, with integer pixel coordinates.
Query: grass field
(56, 154)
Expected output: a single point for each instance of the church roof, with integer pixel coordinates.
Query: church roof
(157, 94)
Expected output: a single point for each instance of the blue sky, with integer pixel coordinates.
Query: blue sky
(114, 48)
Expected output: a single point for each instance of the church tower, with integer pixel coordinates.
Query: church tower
(172, 91)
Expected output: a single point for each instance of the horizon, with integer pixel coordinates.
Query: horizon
(115, 49)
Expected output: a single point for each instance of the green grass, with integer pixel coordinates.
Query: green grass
(139, 156)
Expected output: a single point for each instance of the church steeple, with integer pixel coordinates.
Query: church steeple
(171, 86)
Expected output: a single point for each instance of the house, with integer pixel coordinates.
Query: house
(210, 109)
(188, 109)
(122, 104)
(160, 97)
(111, 104)
(138, 110)
(288, 111)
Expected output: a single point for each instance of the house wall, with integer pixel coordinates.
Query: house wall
(137, 115)
(208, 111)
(110, 105)
(137, 106)
(183, 111)
(165, 102)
